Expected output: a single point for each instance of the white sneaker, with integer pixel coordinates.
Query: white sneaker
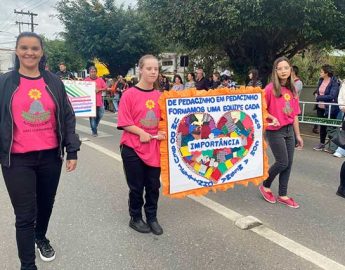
(338, 155)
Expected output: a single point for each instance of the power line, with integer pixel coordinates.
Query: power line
(27, 4)
(39, 3)
(32, 19)
(24, 5)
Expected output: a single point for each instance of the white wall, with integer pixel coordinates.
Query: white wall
(6, 60)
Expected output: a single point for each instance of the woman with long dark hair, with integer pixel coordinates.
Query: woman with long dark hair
(37, 125)
(190, 80)
(254, 78)
(178, 83)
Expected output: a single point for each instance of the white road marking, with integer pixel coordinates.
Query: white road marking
(103, 122)
(312, 256)
(107, 123)
(298, 249)
(294, 247)
(103, 150)
(86, 129)
(216, 207)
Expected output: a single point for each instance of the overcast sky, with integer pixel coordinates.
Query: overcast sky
(47, 24)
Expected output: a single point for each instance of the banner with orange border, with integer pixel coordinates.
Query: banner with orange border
(215, 139)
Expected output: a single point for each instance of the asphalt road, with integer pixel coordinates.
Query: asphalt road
(89, 227)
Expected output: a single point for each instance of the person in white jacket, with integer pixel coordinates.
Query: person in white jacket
(340, 152)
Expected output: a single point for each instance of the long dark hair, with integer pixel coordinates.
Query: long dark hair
(43, 61)
(276, 81)
(255, 76)
(328, 70)
(178, 76)
(192, 74)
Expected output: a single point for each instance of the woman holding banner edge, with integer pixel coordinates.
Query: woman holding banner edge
(283, 109)
(139, 116)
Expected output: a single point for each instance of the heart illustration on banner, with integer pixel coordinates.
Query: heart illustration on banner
(211, 149)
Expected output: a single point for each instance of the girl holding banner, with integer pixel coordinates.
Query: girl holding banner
(139, 116)
(283, 109)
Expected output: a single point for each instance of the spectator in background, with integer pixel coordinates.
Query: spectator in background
(298, 86)
(201, 82)
(100, 87)
(210, 82)
(340, 152)
(190, 80)
(297, 81)
(254, 78)
(178, 83)
(63, 73)
(327, 91)
(159, 82)
(215, 80)
(226, 79)
(105, 94)
(121, 86)
(341, 188)
(166, 84)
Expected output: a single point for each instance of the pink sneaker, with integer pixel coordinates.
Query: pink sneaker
(268, 195)
(289, 202)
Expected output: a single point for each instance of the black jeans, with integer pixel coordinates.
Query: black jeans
(32, 181)
(139, 177)
(341, 188)
(282, 144)
(323, 129)
(323, 113)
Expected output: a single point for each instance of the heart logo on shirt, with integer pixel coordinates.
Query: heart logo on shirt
(211, 149)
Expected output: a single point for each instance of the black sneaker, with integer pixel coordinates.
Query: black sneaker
(139, 225)
(341, 194)
(47, 253)
(155, 227)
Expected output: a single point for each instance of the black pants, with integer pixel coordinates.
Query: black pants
(282, 144)
(323, 129)
(32, 181)
(341, 188)
(139, 177)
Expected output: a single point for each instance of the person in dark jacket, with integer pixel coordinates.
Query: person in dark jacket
(37, 123)
(201, 82)
(63, 73)
(215, 80)
(327, 92)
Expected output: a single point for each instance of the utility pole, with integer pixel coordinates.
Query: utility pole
(32, 19)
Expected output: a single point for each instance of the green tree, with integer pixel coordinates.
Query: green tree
(312, 59)
(59, 51)
(118, 37)
(250, 32)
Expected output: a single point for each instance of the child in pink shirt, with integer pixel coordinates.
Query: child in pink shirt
(283, 109)
(139, 116)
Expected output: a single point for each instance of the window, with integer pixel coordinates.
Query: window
(167, 63)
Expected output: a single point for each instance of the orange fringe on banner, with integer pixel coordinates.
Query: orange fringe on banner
(192, 92)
